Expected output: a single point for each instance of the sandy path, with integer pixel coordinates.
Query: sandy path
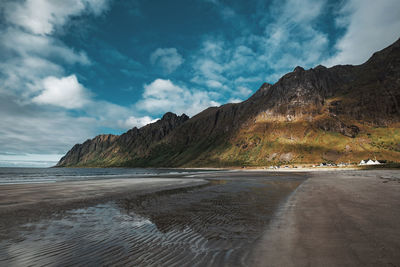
(347, 218)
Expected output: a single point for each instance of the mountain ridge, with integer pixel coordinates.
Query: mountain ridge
(279, 123)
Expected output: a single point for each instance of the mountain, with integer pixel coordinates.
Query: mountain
(338, 114)
(108, 149)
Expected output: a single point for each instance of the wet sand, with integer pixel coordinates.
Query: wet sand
(342, 218)
(239, 218)
(28, 202)
(211, 224)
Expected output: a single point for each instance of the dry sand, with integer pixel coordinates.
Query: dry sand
(347, 218)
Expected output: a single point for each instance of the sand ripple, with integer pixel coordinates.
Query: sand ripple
(213, 225)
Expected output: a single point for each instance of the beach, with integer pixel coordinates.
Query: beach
(337, 218)
(211, 218)
(26, 202)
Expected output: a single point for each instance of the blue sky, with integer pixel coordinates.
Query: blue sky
(73, 69)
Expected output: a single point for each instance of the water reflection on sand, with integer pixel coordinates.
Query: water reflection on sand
(208, 225)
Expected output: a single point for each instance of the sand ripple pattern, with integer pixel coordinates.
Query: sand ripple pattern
(213, 225)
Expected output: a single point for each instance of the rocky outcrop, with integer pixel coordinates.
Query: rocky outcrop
(102, 149)
(90, 148)
(333, 124)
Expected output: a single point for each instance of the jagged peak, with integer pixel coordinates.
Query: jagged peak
(320, 67)
(170, 115)
(298, 69)
(184, 116)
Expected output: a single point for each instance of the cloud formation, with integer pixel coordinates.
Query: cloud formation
(65, 92)
(168, 59)
(37, 89)
(42, 17)
(29, 160)
(370, 26)
(34, 53)
(64, 65)
(28, 128)
(287, 36)
(163, 96)
(133, 121)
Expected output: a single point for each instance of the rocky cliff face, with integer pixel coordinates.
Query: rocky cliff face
(82, 152)
(107, 149)
(320, 114)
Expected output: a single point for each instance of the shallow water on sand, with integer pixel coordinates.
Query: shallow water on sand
(211, 225)
(52, 175)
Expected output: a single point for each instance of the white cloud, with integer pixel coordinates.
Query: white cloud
(43, 16)
(33, 53)
(65, 92)
(21, 73)
(370, 26)
(28, 45)
(292, 38)
(133, 121)
(31, 128)
(300, 11)
(29, 160)
(168, 59)
(215, 84)
(28, 128)
(115, 116)
(218, 64)
(211, 69)
(162, 96)
(35, 88)
(234, 100)
(289, 38)
(243, 91)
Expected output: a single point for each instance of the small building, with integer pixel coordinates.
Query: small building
(369, 162)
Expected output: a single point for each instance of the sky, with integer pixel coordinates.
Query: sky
(73, 69)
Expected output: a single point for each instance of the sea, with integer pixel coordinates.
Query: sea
(13, 175)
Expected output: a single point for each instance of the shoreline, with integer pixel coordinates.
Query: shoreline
(308, 166)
